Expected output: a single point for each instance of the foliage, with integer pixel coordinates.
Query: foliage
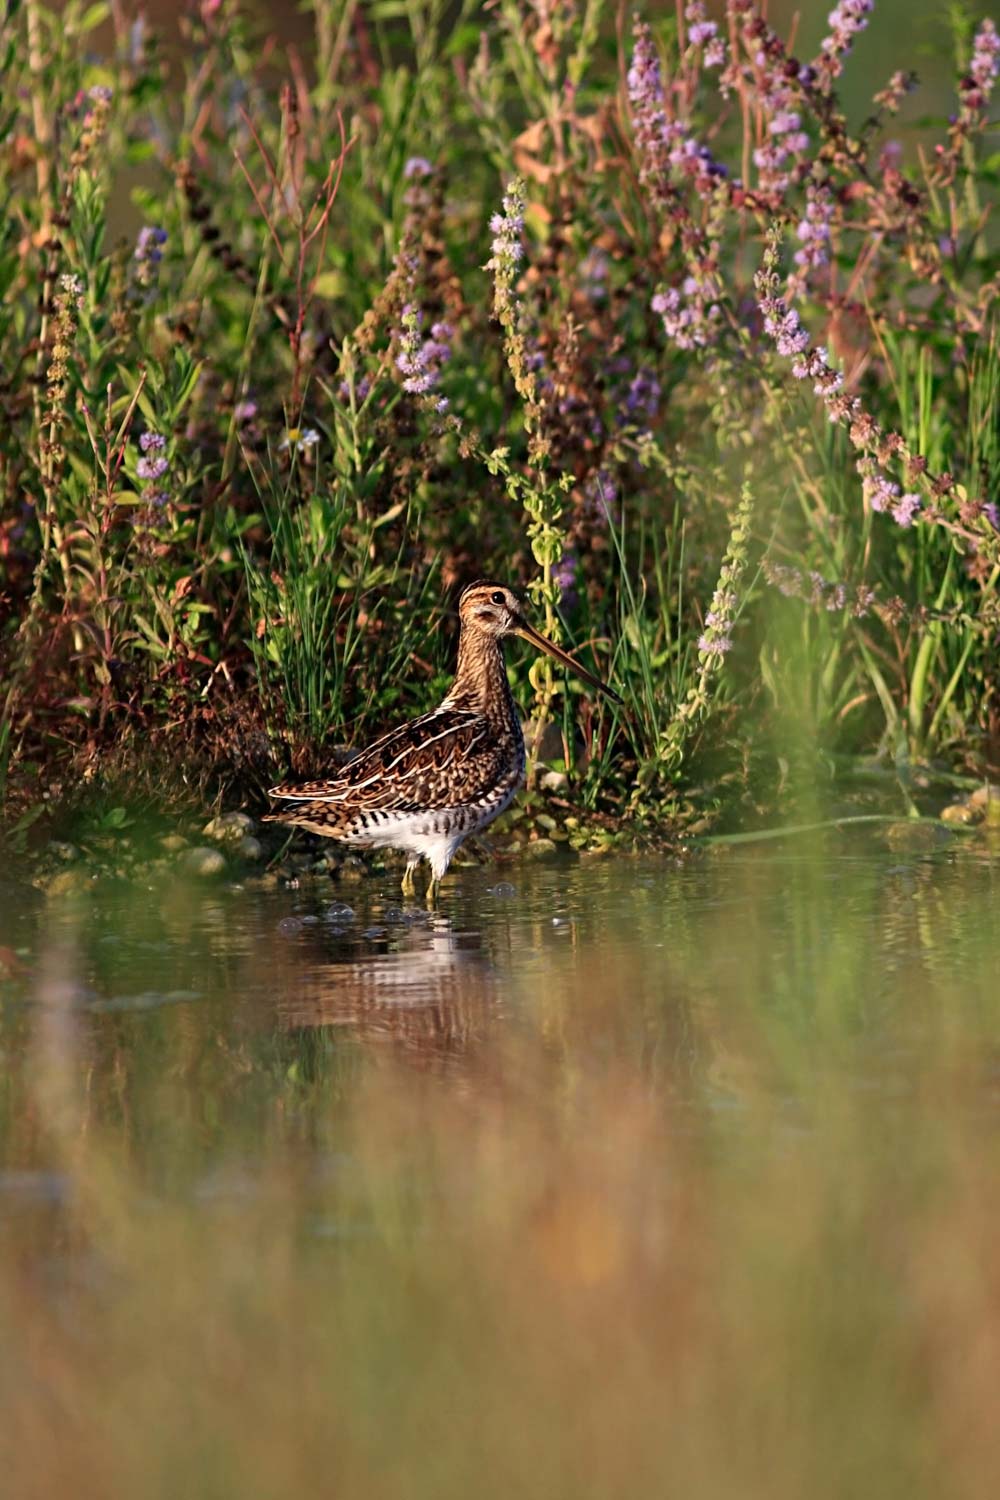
(456, 300)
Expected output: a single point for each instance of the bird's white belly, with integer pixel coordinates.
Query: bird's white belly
(433, 835)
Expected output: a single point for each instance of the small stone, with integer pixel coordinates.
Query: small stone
(957, 812)
(66, 852)
(554, 781)
(65, 882)
(546, 821)
(250, 849)
(229, 828)
(986, 800)
(173, 843)
(916, 835)
(540, 849)
(204, 862)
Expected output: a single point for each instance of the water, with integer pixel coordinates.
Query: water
(621, 1177)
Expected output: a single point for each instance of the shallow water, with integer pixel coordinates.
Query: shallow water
(608, 1177)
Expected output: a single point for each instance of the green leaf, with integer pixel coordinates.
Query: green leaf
(114, 818)
(93, 16)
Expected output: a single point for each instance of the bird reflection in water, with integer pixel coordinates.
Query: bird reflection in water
(433, 995)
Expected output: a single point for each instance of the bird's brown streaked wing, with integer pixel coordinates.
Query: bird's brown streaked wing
(444, 757)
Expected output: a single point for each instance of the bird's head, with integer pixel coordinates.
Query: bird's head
(496, 610)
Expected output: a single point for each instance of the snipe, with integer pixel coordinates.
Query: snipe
(427, 785)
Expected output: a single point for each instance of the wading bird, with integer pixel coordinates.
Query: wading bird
(427, 785)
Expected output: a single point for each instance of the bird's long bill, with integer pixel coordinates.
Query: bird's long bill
(542, 642)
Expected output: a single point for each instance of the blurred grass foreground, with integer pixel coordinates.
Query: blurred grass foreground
(686, 323)
(691, 1192)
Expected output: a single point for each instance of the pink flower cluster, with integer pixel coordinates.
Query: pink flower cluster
(792, 341)
(845, 21)
(704, 33)
(663, 143)
(647, 103)
(690, 313)
(983, 68)
(776, 81)
(797, 583)
(419, 359)
(814, 233)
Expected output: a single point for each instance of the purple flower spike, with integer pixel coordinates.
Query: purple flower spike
(152, 442)
(149, 245)
(420, 359)
(151, 468)
(564, 578)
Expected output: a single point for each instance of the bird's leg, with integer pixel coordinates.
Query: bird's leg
(409, 884)
(433, 888)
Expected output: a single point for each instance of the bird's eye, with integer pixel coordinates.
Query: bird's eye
(497, 598)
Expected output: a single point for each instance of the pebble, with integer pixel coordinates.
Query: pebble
(915, 835)
(229, 828)
(554, 781)
(986, 800)
(66, 852)
(204, 862)
(540, 849)
(250, 848)
(65, 882)
(173, 843)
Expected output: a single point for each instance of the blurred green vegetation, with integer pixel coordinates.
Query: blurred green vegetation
(279, 573)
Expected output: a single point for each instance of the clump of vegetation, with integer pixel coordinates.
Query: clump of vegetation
(521, 296)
